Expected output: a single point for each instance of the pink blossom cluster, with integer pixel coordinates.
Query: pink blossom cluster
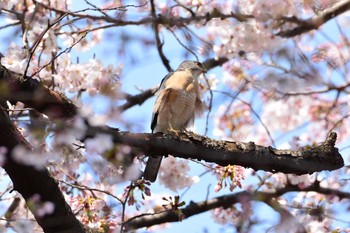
(16, 59)
(41, 208)
(282, 115)
(91, 76)
(236, 214)
(233, 121)
(173, 174)
(231, 176)
(94, 213)
(334, 55)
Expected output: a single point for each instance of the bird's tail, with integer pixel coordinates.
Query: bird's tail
(152, 168)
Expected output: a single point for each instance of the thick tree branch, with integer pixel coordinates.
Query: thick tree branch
(33, 94)
(227, 201)
(193, 146)
(316, 21)
(29, 181)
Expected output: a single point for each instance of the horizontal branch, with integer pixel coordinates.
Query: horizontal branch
(132, 100)
(211, 63)
(159, 19)
(316, 21)
(193, 146)
(302, 26)
(193, 208)
(33, 94)
(226, 201)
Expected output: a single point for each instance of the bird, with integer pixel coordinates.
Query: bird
(178, 103)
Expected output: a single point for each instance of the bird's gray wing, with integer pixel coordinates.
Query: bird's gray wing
(162, 115)
(155, 110)
(162, 83)
(153, 163)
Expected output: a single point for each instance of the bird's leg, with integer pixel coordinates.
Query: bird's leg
(189, 133)
(173, 131)
(186, 131)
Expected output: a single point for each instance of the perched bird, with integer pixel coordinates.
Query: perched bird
(178, 102)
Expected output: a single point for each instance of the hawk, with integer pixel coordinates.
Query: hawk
(178, 102)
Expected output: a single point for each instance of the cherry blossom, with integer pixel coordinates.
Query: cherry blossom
(16, 59)
(99, 144)
(91, 76)
(233, 175)
(262, 9)
(173, 174)
(41, 208)
(24, 155)
(334, 55)
(228, 215)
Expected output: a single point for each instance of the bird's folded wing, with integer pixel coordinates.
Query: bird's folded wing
(162, 108)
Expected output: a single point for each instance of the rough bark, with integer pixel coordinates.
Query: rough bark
(26, 179)
(192, 146)
(33, 94)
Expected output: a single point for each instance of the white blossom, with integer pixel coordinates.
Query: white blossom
(99, 144)
(30, 157)
(15, 59)
(173, 174)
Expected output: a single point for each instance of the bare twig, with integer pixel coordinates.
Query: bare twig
(159, 44)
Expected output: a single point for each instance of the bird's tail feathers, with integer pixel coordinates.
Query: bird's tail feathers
(152, 168)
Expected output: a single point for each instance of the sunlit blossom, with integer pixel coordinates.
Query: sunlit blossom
(173, 174)
(16, 59)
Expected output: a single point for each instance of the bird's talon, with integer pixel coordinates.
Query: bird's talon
(174, 131)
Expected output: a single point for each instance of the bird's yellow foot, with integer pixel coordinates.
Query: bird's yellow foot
(174, 131)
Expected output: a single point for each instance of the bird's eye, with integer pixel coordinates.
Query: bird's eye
(198, 64)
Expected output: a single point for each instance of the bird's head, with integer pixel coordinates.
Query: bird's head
(195, 67)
